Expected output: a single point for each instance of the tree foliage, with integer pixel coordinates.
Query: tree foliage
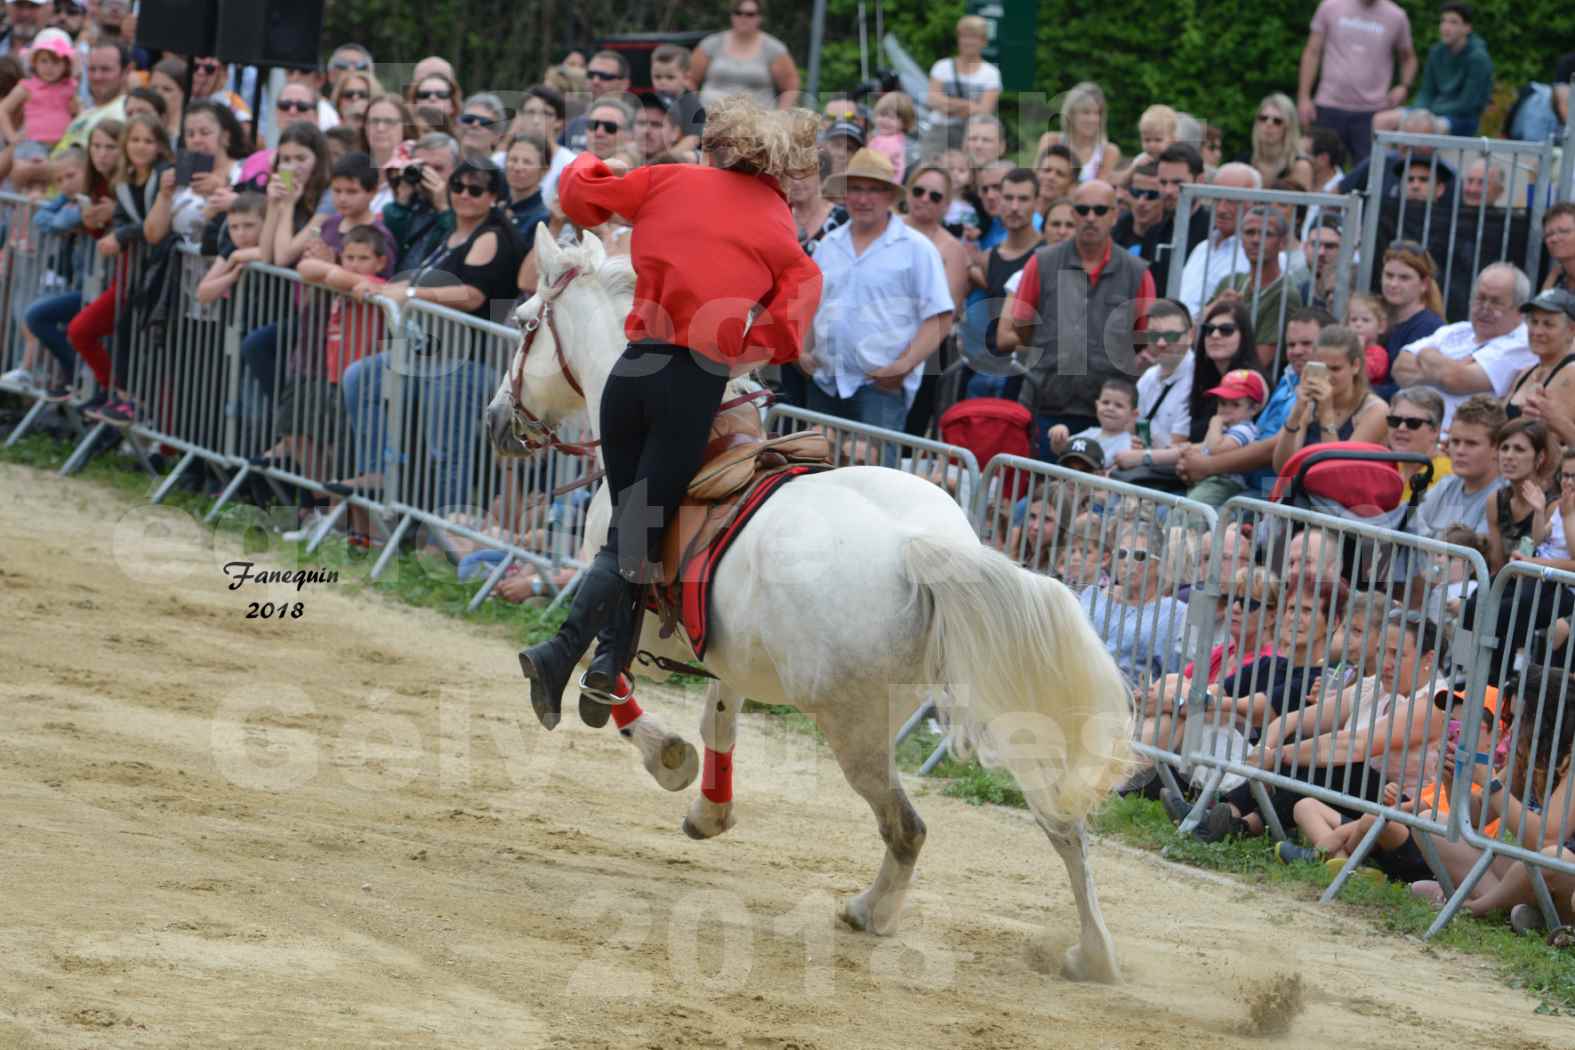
(1213, 58)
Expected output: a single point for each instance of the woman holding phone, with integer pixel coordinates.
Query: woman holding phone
(1333, 400)
(205, 172)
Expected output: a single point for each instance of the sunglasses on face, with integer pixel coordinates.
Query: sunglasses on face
(1409, 422)
(1145, 195)
(1270, 118)
(343, 64)
(1165, 338)
(291, 106)
(1250, 604)
(1218, 329)
(459, 188)
(611, 127)
(597, 74)
(440, 94)
(351, 94)
(936, 196)
(473, 119)
(1126, 553)
(207, 67)
(1095, 209)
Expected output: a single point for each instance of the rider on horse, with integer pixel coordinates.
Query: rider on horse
(722, 286)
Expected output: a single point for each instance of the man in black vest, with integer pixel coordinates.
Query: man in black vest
(1075, 312)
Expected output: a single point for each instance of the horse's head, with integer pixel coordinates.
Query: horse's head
(556, 364)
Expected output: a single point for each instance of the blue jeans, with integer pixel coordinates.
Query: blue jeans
(869, 405)
(259, 357)
(47, 319)
(1466, 126)
(449, 404)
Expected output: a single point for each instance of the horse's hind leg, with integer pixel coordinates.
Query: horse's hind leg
(866, 760)
(712, 813)
(1093, 958)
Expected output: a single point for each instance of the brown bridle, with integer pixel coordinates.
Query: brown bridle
(533, 431)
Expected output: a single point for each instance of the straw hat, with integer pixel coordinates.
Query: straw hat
(865, 164)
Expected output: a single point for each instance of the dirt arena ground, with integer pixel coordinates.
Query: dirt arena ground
(347, 830)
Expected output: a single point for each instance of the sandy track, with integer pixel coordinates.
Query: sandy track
(347, 830)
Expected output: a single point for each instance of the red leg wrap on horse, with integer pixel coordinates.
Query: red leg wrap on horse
(716, 781)
(625, 713)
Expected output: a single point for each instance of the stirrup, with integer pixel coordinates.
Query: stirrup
(601, 696)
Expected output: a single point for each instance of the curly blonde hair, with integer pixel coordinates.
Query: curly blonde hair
(741, 135)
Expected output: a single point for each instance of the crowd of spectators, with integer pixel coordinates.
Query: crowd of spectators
(959, 266)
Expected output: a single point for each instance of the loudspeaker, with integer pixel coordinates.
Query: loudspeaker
(271, 32)
(185, 27)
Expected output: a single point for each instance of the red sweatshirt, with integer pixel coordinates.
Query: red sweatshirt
(708, 246)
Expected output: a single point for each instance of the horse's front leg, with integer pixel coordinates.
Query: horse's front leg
(712, 813)
(669, 758)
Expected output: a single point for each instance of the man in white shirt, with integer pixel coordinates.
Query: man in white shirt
(1220, 256)
(1479, 356)
(885, 305)
(1165, 389)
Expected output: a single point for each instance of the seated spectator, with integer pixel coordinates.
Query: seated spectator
(1462, 497)
(1032, 543)
(1142, 229)
(420, 216)
(1085, 455)
(1237, 399)
(1482, 185)
(1116, 410)
(1086, 550)
(1457, 78)
(1518, 516)
(1384, 730)
(1141, 622)
(1536, 806)
(1365, 315)
(1558, 236)
(1546, 391)
(1315, 270)
(1165, 388)
(1481, 355)
(1333, 401)
(1413, 419)
(1276, 136)
(1411, 296)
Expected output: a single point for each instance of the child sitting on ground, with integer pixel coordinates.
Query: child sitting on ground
(1116, 411)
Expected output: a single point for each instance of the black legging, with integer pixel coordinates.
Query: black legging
(656, 418)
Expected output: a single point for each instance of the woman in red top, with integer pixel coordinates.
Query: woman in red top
(712, 246)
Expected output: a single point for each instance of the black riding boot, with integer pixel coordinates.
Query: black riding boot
(550, 664)
(614, 649)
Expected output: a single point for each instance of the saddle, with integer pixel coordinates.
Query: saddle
(741, 470)
(738, 458)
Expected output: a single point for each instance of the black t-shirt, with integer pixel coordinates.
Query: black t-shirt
(497, 280)
(1285, 686)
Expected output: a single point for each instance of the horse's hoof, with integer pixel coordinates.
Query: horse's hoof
(854, 914)
(593, 713)
(674, 765)
(694, 832)
(1077, 967)
(707, 819)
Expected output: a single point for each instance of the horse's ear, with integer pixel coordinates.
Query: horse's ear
(549, 257)
(595, 254)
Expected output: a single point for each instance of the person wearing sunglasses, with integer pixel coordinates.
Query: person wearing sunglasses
(1138, 616)
(607, 76)
(352, 94)
(210, 81)
(1142, 229)
(1276, 137)
(700, 272)
(1165, 387)
(1414, 415)
(608, 128)
(743, 59)
(480, 127)
(437, 91)
(347, 59)
(1075, 312)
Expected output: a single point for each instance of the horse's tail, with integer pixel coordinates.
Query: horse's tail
(1031, 686)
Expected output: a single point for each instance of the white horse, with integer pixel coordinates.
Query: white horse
(847, 595)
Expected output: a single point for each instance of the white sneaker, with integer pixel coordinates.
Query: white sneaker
(17, 377)
(308, 526)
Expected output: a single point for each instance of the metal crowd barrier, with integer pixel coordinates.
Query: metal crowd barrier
(1100, 537)
(853, 444)
(1524, 737)
(1195, 281)
(1363, 682)
(1462, 239)
(441, 371)
(38, 265)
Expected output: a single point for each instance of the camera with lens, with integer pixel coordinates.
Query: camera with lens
(884, 81)
(411, 175)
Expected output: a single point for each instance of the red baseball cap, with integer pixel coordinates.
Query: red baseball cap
(1242, 382)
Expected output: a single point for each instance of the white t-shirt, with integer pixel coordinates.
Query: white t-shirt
(1501, 358)
(1174, 414)
(970, 86)
(1113, 444)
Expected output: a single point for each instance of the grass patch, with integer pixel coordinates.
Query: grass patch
(1526, 962)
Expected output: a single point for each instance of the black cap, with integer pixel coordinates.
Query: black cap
(1086, 449)
(844, 129)
(1553, 301)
